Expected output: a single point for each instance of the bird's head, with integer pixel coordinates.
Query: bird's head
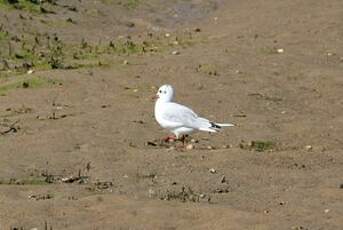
(165, 93)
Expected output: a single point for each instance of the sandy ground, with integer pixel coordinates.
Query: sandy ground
(83, 152)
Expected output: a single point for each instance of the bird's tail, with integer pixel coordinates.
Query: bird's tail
(209, 126)
(224, 124)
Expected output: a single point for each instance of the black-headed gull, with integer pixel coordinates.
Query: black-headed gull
(179, 119)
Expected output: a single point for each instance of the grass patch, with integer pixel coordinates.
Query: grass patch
(32, 82)
(25, 181)
(27, 5)
(259, 145)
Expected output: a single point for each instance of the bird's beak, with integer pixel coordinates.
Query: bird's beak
(155, 97)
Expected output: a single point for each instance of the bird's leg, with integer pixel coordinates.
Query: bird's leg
(184, 139)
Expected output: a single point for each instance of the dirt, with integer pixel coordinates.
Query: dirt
(80, 148)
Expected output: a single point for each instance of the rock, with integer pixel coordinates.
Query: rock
(327, 210)
(152, 193)
(30, 71)
(167, 35)
(308, 147)
(280, 51)
(189, 147)
(175, 52)
(212, 170)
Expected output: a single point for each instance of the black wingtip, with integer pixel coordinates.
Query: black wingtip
(214, 125)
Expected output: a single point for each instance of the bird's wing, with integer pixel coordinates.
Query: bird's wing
(179, 115)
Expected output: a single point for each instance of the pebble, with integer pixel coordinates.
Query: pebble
(327, 210)
(125, 62)
(30, 71)
(152, 193)
(167, 35)
(210, 147)
(175, 43)
(212, 170)
(189, 147)
(227, 146)
(308, 147)
(280, 51)
(175, 52)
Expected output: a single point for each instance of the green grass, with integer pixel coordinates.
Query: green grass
(258, 145)
(23, 82)
(3, 36)
(21, 5)
(261, 146)
(25, 181)
(129, 4)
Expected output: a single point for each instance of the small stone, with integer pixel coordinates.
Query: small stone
(197, 29)
(327, 210)
(175, 52)
(167, 35)
(202, 196)
(125, 176)
(210, 147)
(152, 193)
(280, 51)
(30, 71)
(308, 147)
(212, 170)
(125, 62)
(227, 146)
(130, 24)
(189, 147)
(175, 43)
(194, 141)
(266, 211)
(223, 179)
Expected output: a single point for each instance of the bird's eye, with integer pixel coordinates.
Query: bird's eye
(160, 91)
